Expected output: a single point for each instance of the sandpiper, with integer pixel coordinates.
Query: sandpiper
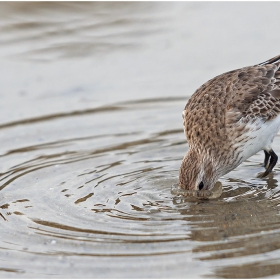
(227, 120)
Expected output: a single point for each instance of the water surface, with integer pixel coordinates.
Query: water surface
(92, 141)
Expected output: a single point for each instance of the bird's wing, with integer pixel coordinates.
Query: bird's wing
(254, 91)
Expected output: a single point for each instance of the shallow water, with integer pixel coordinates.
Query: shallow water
(92, 140)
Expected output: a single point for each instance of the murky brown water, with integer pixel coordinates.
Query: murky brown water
(92, 140)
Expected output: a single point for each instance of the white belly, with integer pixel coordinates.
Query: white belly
(261, 136)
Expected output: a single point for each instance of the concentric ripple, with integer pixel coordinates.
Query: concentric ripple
(107, 197)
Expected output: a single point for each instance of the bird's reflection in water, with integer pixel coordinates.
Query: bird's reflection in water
(244, 221)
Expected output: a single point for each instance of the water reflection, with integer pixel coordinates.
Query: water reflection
(243, 223)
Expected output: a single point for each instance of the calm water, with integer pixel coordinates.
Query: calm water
(92, 140)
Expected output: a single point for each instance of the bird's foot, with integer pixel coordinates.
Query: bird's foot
(269, 162)
(266, 159)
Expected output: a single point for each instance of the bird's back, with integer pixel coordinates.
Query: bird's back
(220, 109)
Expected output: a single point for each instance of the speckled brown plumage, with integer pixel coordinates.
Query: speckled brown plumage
(225, 119)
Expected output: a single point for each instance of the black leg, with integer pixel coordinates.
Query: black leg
(266, 158)
(272, 162)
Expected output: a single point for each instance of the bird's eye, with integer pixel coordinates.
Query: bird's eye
(200, 186)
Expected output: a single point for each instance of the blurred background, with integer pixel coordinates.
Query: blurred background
(91, 140)
(70, 55)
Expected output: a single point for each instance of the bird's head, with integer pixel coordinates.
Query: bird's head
(197, 172)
